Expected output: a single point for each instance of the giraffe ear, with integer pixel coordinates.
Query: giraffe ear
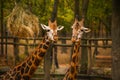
(86, 30)
(76, 20)
(49, 22)
(45, 27)
(60, 27)
(82, 22)
(55, 22)
(82, 19)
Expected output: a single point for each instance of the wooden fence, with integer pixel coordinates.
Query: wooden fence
(91, 42)
(15, 42)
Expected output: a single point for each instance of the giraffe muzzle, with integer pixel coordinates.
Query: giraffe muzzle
(55, 37)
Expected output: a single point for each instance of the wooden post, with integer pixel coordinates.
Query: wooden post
(90, 61)
(16, 49)
(64, 49)
(6, 47)
(55, 55)
(2, 47)
(84, 58)
(96, 43)
(53, 61)
(47, 63)
(26, 48)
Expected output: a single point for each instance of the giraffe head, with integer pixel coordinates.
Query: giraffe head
(78, 29)
(51, 30)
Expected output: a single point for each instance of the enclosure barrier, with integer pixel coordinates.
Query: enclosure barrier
(79, 77)
(15, 42)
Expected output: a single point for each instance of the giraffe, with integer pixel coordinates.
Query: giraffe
(77, 31)
(25, 69)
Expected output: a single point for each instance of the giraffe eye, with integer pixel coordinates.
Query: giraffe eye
(81, 29)
(48, 30)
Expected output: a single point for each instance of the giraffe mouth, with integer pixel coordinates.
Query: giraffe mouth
(75, 39)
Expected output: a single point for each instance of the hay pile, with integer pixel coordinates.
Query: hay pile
(22, 23)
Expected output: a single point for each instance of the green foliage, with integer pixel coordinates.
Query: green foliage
(65, 15)
(101, 9)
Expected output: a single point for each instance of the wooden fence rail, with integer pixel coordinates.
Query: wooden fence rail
(15, 42)
(91, 42)
(61, 38)
(79, 77)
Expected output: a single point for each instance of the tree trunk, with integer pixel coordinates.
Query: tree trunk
(84, 7)
(116, 40)
(47, 57)
(53, 18)
(2, 48)
(54, 12)
(55, 54)
(18, 1)
(64, 49)
(47, 63)
(76, 11)
(84, 52)
(16, 50)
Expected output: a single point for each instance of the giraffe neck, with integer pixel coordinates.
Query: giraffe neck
(71, 73)
(25, 70)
